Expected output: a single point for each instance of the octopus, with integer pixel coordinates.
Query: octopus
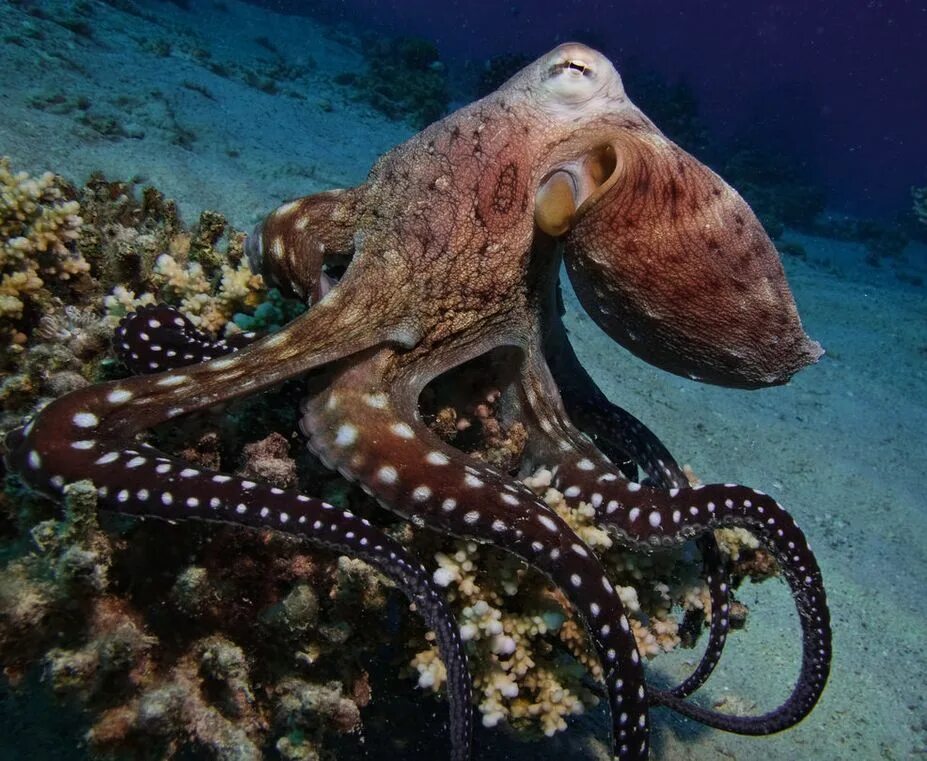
(454, 246)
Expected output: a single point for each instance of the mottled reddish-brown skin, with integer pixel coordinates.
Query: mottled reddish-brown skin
(455, 243)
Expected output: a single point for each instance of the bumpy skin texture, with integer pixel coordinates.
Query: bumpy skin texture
(456, 239)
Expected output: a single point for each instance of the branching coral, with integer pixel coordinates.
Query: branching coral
(210, 307)
(64, 245)
(39, 226)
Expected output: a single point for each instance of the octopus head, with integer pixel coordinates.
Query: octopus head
(664, 255)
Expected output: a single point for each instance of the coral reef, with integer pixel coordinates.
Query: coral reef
(64, 249)
(208, 305)
(39, 225)
(405, 79)
(530, 658)
(171, 648)
(166, 681)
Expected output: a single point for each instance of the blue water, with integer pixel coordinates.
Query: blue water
(815, 113)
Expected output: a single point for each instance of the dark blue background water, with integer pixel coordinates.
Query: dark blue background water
(839, 87)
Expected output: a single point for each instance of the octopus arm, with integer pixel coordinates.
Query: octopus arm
(373, 435)
(87, 434)
(648, 517)
(620, 435)
(290, 246)
(617, 433)
(158, 337)
(144, 482)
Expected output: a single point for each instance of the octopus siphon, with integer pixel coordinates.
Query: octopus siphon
(454, 247)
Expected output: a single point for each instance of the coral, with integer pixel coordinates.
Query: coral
(60, 244)
(775, 189)
(404, 80)
(159, 687)
(71, 565)
(919, 198)
(205, 702)
(269, 460)
(271, 314)
(185, 283)
(39, 226)
(510, 621)
(528, 655)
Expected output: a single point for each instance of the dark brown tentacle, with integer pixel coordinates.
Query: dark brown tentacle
(619, 435)
(373, 435)
(88, 433)
(144, 482)
(646, 517)
(158, 338)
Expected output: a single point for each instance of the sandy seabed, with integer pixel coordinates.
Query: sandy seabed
(842, 446)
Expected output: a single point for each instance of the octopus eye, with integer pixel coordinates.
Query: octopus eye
(572, 65)
(575, 75)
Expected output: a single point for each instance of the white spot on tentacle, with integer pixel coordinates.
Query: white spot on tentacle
(224, 363)
(173, 380)
(376, 401)
(85, 420)
(437, 458)
(403, 430)
(547, 523)
(346, 436)
(118, 396)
